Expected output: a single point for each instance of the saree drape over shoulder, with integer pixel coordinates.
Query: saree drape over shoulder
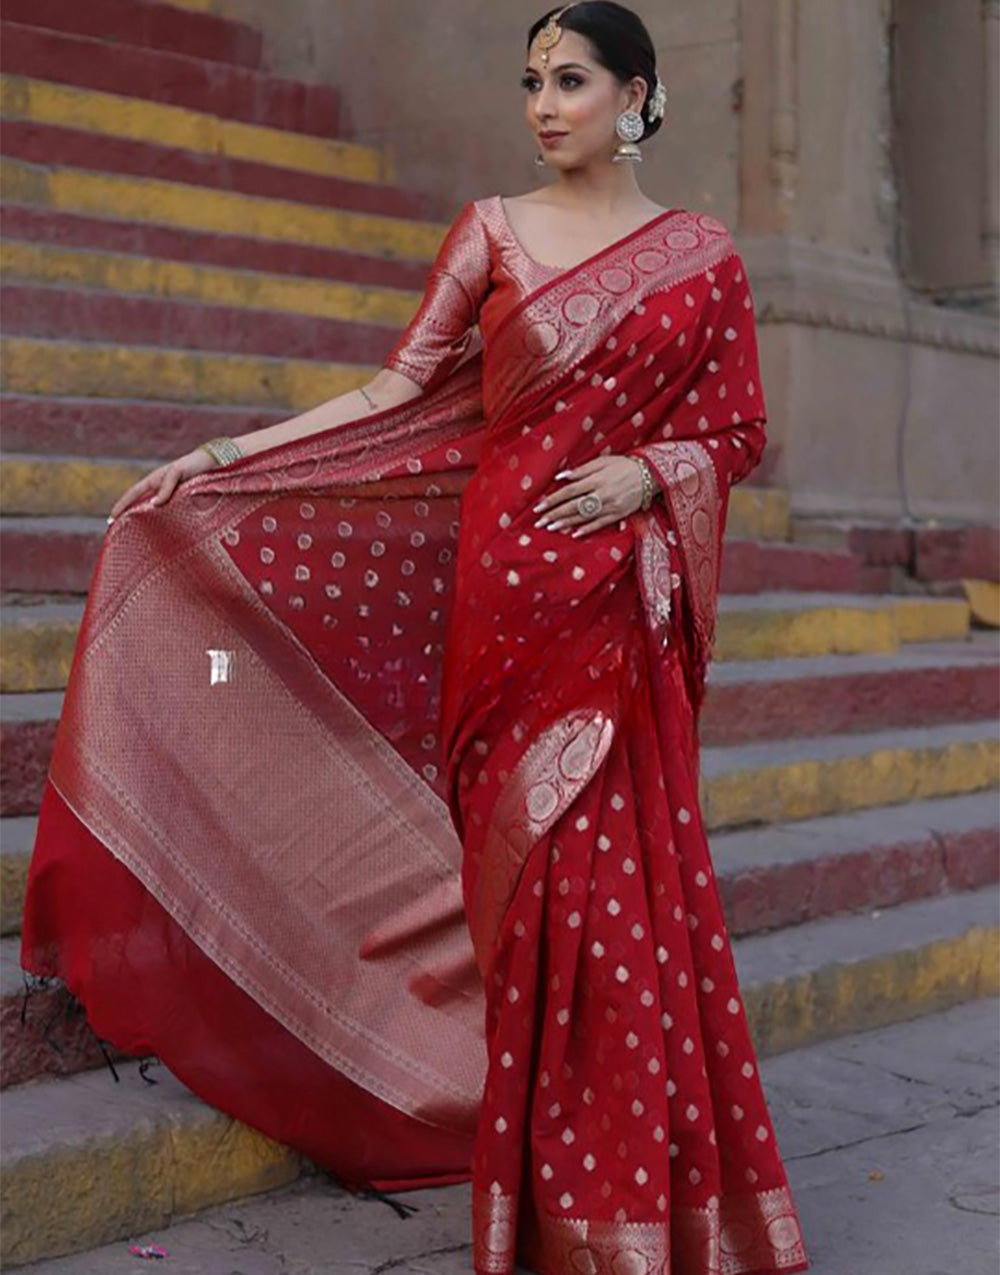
(373, 810)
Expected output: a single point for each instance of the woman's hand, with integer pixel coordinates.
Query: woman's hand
(616, 479)
(165, 478)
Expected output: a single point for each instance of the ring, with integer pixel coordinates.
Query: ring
(589, 504)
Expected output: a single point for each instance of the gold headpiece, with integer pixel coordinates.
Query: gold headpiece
(550, 34)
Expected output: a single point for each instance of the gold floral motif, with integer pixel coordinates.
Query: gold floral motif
(687, 476)
(743, 1233)
(552, 772)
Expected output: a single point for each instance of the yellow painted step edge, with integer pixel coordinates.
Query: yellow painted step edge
(846, 997)
(164, 203)
(49, 368)
(811, 787)
(123, 273)
(137, 119)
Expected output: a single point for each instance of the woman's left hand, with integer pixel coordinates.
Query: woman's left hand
(617, 480)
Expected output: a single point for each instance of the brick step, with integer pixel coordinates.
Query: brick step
(146, 25)
(69, 313)
(850, 973)
(358, 179)
(752, 567)
(746, 703)
(39, 635)
(43, 1031)
(780, 781)
(49, 271)
(17, 839)
(920, 685)
(222, 250)
(57, 555)
(158, 75)
(31, 365)
(173, 204)
(129, 428)
(928, 553)
(789, 873)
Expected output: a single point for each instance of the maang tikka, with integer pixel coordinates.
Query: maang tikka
(550, 34)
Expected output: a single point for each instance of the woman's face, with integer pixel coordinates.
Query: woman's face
(571, 105)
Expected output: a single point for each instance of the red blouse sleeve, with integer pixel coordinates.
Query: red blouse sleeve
(441, 330)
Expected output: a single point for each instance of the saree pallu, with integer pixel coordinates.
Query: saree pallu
(388, 800)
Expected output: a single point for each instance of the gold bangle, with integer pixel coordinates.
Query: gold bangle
(222, 450)
(648, 487)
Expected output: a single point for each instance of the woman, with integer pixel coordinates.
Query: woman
(423, 666)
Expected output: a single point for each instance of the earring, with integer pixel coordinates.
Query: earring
(539, 161)
(630, 127)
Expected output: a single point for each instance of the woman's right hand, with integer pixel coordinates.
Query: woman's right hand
(165, 478)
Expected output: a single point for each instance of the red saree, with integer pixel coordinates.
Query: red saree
(373, 809)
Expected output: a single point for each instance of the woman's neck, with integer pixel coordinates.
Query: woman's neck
(604, 190)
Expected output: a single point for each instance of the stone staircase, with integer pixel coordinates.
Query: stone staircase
(186, 239)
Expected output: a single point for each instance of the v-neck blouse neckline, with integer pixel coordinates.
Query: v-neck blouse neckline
(557, 270)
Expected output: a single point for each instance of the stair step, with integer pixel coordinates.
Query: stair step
(147, 25)
(27, 735)
(786, 780)
(930, 553)
(171, 204)
(17, 839)
(751, 567)
(128, 428)
(781, 625)
(108, 1143)
(43, 1030)
(65, 313)
(57, 119)
(34, 366)
(125, 1156)
(788, 873)
(231, 250)
(845, 974)
(58, 148)
(920, 685)
(52, 271)
(232, 92)
(66, 485)
(39, 636)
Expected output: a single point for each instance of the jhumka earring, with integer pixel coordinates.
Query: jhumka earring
(539, 161)
(630, 128)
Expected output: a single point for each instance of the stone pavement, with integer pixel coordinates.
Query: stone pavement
(890, 1138)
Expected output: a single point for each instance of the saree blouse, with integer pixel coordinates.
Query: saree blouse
(480, 275)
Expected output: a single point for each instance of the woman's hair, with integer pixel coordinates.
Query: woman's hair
(620, 41)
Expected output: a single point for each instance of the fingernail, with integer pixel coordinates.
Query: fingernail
(565, 473)
(553, 526)
(539, 507)
(110, 520)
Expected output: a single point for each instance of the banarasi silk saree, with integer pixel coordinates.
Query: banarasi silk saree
(373, 809)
